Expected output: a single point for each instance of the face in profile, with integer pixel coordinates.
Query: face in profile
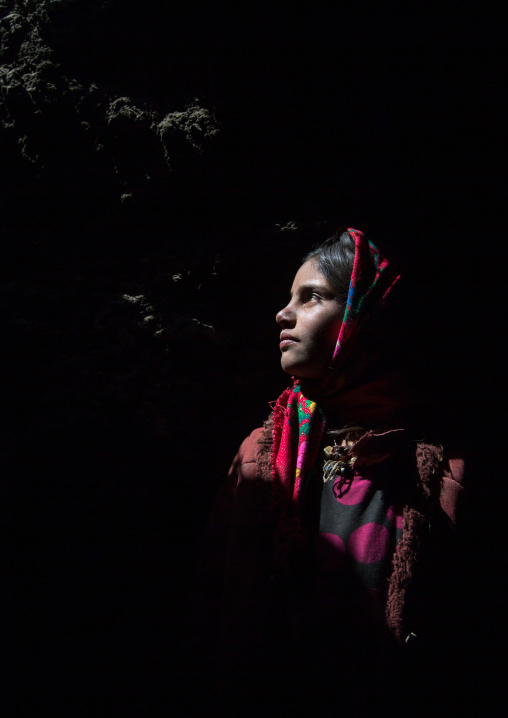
(310, 323)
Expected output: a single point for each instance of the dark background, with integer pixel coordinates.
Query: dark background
(163, 169)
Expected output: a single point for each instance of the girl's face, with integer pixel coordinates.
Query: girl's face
(310, 324)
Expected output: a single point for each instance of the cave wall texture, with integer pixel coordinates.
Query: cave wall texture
(163, 168)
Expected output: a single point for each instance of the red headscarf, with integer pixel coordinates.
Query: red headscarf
(351, 384)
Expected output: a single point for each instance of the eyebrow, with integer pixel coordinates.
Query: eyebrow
(314, 285)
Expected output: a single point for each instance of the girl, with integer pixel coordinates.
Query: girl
(322, 543)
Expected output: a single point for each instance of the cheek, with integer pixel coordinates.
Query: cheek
(321, 339)
(327, 335)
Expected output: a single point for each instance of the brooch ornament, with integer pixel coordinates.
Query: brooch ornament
(338, 462)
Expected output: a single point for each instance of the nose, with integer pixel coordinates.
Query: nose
(286, 317)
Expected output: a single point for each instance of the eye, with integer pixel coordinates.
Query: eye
(310, 295)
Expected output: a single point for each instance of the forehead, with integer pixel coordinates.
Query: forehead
(309, 274)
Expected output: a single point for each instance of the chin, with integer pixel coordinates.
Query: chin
(299, 372)
(289, 370)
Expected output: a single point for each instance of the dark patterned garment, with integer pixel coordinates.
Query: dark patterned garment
(359, 529)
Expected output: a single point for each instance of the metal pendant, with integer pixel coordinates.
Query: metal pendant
(338, 463)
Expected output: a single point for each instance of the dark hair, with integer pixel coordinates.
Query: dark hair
(335, 258)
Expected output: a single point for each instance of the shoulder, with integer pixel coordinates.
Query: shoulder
(253, 459)
(254, 452)
(445, 466)
(452, 483)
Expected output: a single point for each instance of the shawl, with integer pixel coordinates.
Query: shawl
(301, 412)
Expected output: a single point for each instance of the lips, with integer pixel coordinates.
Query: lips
(286, 340)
